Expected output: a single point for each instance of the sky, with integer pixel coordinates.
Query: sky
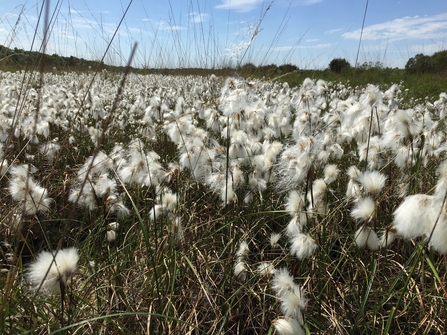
(217, 33)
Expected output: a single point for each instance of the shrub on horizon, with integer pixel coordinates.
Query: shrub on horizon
(338, 65)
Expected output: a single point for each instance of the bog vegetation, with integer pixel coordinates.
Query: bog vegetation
(151, 203)
(247, 200)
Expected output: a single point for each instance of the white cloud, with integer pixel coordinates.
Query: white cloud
(197, 17)
(240, 5)
(310, 2)
(293, 47)
(72, 10)
(297, 3)
(329, 32)
(421, 27)
(162, 25)
(311, 40)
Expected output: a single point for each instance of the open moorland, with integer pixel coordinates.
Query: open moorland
(216, 204)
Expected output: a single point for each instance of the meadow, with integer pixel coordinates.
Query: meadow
(164, 204)
(232, 200)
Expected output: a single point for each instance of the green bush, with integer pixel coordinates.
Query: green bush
(338, 65)
(427, 64)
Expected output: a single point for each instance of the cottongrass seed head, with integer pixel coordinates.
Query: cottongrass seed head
(51, 270)
(372, 181)
(303, 246)
(366, 237)
(288, 326)
(331, 172)
(364, 209)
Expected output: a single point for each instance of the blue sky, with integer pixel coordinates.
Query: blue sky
(214, 33)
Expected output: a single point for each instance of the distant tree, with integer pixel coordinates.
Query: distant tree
(439, 61)
(371, 65)
(248, 68)
(287, 68)
(419, 64)
(338, 65)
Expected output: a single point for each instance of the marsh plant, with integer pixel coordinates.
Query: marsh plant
(220, 205)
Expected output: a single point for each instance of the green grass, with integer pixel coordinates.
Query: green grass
(420, 86)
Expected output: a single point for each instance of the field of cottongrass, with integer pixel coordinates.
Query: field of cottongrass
(210, 205)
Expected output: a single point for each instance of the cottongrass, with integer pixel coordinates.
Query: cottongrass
(28, 192)
(366, 237)
(372, 181)
(240, 267)
(293, 302)
(302, 246)
(49, 273)
(363, 210)
(171, 145)
(288, 326)
(414, 216)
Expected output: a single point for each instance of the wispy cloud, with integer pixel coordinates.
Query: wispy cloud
(417, 27)
(332, 31)
(310, 2)
(293, 47)
(240, 5)
(163, 25)
(80, 12)
(311, 40)
(197, 17)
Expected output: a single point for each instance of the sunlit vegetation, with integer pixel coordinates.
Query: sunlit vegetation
(153, 203)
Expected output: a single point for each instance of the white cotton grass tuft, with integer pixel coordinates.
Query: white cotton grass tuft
(293, 303)
(372, 181)
(437, 235)
(319, 188)
(243, 249)
(24, 189)
(387, 237)
(169, 201)
(111, 231)
(353, 172)
(240, 270)
(111, 236)
(441, 186)
(294, 227)
(240, 267)
(274, 239)
(365, 236)
(295, 203)
(414, 216)
(353, 190)
(266, 268)
(317, 197)
(3, 166)
(288, 326)
(227, 194)
(282, 281)
(331, 172)
(364, 209)
(291, 297)
(51, 270)
(303, 246)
